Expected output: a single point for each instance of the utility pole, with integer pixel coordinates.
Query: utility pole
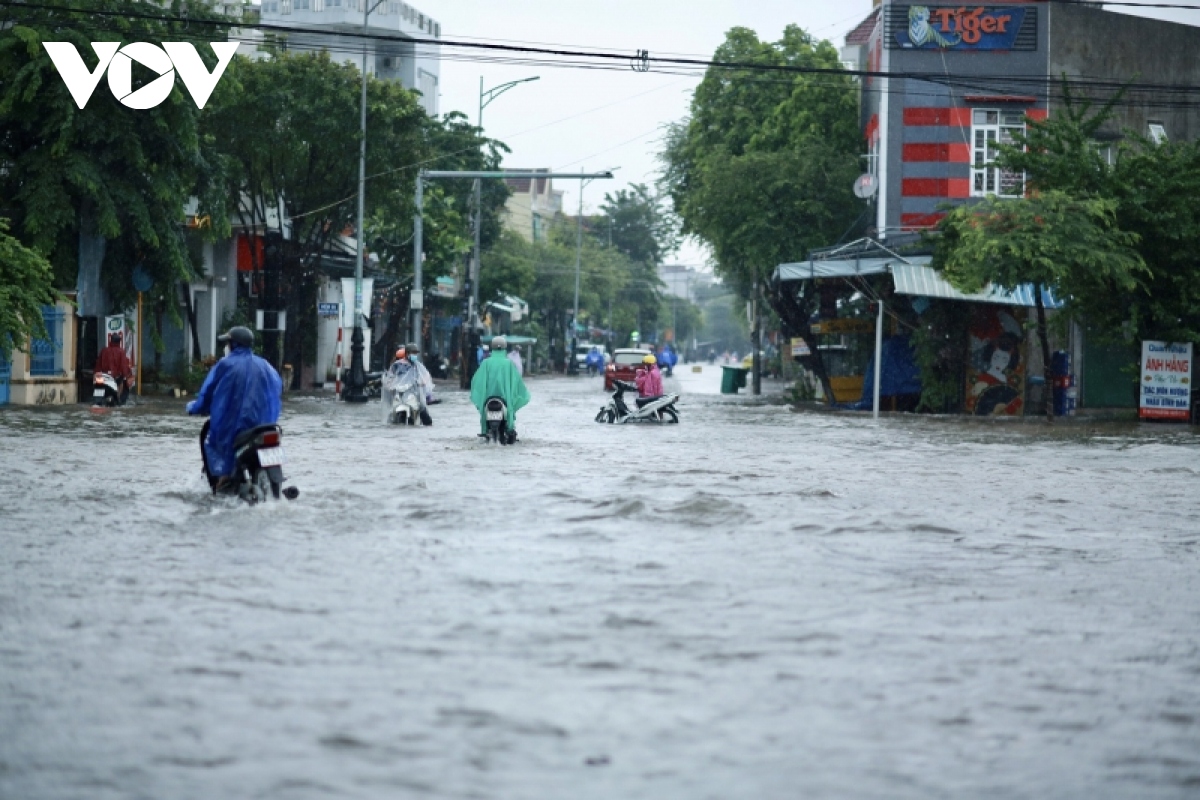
(358, 377)
(572, 365)
(756, 341)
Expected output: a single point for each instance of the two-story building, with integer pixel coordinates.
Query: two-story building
(532, 205)
(944, 86)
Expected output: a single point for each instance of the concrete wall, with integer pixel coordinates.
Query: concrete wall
(26, 389)
(1089, 42)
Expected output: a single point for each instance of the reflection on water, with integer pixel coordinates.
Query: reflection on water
(753, 603)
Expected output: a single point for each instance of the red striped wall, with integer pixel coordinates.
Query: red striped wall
(954, 153)
(935, 187)
(919, 221)
(937, 116)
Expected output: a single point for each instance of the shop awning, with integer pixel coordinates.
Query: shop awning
(838, 268)
(912, 275)
(919, 279)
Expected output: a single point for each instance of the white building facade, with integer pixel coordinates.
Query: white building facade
(335, 26)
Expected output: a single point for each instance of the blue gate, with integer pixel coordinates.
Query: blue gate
(5, 374)
(45, 355)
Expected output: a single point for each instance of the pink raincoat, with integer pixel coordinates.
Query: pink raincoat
(649, 382)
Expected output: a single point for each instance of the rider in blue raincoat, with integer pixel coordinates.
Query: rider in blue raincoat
(242, 391)
(594, 361)
(668, 358)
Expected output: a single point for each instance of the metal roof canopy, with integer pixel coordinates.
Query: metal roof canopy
(912, 276)
(433, 174)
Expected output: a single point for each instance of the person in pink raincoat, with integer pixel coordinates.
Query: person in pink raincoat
(649, 379)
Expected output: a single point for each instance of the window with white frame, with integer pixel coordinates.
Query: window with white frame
(989, 129)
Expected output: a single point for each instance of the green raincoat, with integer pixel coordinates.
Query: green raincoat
(498, 377)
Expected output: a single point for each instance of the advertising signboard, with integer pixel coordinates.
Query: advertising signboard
(958, 28)
(1166, 380)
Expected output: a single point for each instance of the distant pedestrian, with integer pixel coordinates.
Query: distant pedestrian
(514, 355)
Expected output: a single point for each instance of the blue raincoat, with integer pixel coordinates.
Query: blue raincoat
(595, 359)
(241, 392)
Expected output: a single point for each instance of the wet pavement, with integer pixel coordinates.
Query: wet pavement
(753, 603)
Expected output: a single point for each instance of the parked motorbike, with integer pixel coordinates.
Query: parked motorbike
(498, 431)
(648, 409)
(373, 387)
(403, 398)
(258, 470)
(107, 391)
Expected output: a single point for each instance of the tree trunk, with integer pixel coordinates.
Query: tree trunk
(1048, 389)
(795, 315)
(191, 315)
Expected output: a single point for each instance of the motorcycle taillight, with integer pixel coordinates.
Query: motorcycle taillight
(269, 439)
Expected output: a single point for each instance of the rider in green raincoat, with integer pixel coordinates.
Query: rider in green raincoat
(498, 377)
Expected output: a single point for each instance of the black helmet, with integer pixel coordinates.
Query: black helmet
(238, 336)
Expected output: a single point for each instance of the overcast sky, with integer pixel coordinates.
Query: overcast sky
(576, 118)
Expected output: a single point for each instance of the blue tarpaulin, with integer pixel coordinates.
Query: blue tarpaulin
(900, 373)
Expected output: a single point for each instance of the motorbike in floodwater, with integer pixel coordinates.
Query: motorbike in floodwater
(258, 466)
(496, 412)
(108, 392)
(404, 398)
(647, 409)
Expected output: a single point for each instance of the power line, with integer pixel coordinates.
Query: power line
(589, 58)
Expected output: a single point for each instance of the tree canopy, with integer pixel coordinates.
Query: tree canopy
(129, 173)
(763, 169)
(1152, 189)
(26, 284)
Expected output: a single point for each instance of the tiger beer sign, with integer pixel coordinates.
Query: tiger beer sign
(165, 60)
(961, 27)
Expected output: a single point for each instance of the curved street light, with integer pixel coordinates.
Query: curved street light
(485, 98)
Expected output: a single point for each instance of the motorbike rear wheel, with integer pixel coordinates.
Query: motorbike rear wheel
(669, 415)
(261, 488)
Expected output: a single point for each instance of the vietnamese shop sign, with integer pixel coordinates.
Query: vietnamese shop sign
(1166, 380)
(961, 27)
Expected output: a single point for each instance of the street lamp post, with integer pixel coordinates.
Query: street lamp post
(358, 377)
(485, 98)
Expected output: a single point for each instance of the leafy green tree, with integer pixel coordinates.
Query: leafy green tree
(635, 222)
(1154, 188)
(128, 173)
(26, 284)
(763, 169)
(1073, 247)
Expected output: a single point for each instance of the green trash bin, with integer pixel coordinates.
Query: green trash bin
(732, 379)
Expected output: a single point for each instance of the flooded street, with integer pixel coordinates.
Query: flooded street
(753, 603)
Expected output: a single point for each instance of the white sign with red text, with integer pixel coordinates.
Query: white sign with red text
(1166, 385)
